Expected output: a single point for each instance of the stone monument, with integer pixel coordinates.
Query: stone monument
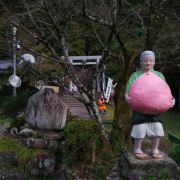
(46, 111)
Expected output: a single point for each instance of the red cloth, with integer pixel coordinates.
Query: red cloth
(150, 94)
(101, 104)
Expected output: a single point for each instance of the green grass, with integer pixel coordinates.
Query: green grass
(171, 122)
(23, 153)
(5, 120)
(110, 110)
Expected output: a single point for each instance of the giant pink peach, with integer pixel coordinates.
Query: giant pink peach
(150, 94)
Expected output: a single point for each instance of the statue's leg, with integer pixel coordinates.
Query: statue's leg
(137, 146)
(155, 131)
(155, 144)
(137, 151)
(155, 148)
(138, 133)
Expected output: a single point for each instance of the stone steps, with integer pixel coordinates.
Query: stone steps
(76, 107)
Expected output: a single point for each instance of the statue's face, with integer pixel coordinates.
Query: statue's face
(147, 63)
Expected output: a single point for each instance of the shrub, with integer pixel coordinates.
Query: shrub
(82, 137)
(18, 121)
(100, 171)
(10, 106)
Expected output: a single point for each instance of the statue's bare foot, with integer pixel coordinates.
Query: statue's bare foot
(141, 156)
(157, 156)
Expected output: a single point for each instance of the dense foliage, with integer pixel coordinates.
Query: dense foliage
(82, 137)
(11, 105)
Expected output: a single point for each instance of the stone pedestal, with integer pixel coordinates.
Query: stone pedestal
(135, 169)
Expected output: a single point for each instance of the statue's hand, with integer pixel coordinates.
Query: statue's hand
(128, 99)
(173, 102)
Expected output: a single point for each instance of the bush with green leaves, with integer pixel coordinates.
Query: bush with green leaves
(82, 138)
(11, 105)
(175, 153)
(99, 172)
(18, 121)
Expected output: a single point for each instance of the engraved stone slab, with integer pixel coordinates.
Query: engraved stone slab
(46, 110)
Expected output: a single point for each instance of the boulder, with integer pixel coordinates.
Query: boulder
(26, 132)
(46, 111)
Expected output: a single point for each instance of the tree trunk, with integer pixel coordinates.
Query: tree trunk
(120, 134)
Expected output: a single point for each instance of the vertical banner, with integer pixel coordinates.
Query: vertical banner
(108, 89)
(103, 83)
